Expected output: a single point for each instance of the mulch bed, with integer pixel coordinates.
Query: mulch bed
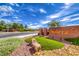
(23, 50)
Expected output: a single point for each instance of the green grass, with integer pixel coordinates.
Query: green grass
(48, 44)
(8, 45)
(74, 41)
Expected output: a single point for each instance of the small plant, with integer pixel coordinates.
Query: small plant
(28, 39)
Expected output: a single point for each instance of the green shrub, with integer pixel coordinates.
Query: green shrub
(48, 44)
(74, 41)
(28, 40)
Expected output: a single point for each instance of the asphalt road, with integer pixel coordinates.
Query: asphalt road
(17, 34)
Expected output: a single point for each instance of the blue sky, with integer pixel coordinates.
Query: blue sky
(36, 15)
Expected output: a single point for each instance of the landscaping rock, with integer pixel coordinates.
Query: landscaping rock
(71, 50)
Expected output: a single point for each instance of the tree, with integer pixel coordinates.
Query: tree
(18, 26)
(21, 27)
(54, 24)
(2, 25)
(14, 25)
(26, 26)
(2, 22)
(8, 26)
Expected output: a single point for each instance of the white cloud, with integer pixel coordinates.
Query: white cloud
(34, 26)
(71, 24)
(35, 10)
(42, 11)
(44, 22)
(16, 17)
(65, 19)
(62, 12)
(10, 8)
(17, 20)
(6, 8)
(68, 18)
(53, 16)
(35, 23)
(68, 5)
(4, 14)
(17, 5)
(30, 9)
(6, 20)
(74, 19)
(33, 14)
(30, 24)
(14, 4)
(73, 15)
(56, 15)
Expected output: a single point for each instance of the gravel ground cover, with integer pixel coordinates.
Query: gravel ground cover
(71, 50)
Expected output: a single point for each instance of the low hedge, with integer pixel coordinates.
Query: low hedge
(74, 41)
(28, 39)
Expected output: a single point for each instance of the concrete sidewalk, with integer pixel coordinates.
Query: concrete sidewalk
(22, 36)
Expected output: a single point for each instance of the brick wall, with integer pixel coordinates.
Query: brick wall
(60, 32)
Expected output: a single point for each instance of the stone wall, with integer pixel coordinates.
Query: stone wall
(60, 32)
(43, 31)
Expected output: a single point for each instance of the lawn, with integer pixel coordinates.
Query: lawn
(48, 44)
(74, 41)
(8, 45)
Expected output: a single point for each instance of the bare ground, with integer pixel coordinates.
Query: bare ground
(23, 50)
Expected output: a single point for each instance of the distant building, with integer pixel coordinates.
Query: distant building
(9, 30)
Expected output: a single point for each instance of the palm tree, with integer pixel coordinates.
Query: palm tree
(54, 24)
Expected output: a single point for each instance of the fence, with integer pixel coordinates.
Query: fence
(60, 32)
